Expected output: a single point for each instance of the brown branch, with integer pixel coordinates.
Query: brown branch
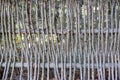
(64, 31)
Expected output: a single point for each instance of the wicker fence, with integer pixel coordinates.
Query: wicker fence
(59, 40)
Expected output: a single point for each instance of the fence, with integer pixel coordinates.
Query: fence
(59, 40)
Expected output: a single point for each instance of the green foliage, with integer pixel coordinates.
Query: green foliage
(62, 15)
